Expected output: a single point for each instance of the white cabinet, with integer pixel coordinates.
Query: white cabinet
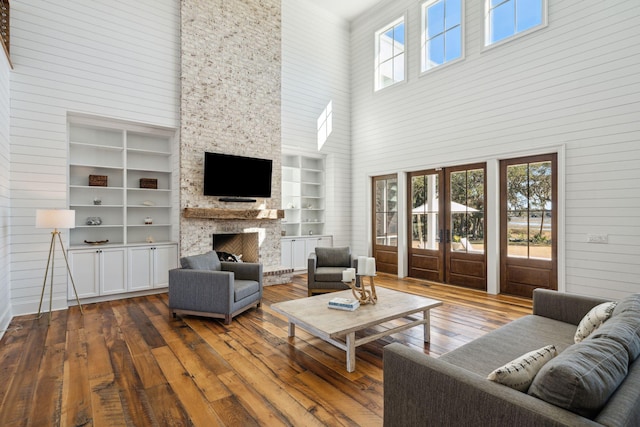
(97, 272)
(295, 250)
(149, 266)
(303, 195)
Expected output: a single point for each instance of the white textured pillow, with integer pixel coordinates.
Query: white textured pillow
(519, 373)
(593, 319)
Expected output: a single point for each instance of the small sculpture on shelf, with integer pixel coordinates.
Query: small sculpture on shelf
(94, 220)
(97, 201)
(148, 220)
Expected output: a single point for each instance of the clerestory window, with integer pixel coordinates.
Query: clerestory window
(507, 18)
(390, 54)
(442, 36)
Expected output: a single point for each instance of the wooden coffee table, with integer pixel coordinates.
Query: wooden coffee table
(339, 327)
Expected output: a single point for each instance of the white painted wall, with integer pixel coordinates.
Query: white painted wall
(316, 70)
(5, 196)
(574, 85)
(111, 59)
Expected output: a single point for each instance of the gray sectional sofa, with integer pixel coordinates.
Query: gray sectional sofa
(453, 390)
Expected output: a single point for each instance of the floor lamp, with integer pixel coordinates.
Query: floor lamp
(55, 218)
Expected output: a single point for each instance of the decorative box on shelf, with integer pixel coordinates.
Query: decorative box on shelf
(149, 183)
(98, 180)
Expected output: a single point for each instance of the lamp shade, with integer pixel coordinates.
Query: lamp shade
(55, 218)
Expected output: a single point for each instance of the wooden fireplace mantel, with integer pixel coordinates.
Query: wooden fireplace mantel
(246, 214)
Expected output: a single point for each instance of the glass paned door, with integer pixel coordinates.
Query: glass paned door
(448, 238)
(385, 223)
(528, 260)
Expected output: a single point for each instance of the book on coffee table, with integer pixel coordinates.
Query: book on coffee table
(347, 304)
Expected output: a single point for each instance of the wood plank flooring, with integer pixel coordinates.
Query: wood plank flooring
(128, 363)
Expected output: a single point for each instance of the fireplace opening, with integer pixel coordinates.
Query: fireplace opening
(241, 246)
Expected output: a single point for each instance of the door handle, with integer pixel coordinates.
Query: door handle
(440, 235)
(448, 236)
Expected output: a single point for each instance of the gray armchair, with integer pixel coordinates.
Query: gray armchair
(325, 267)
(204, 286)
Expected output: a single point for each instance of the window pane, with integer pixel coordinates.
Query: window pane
(398, 68)
(391, 195)
(398, 36)
(453, 13)
(435, 51)
(453, 44)
(392, 229)
(528, 14)
(385, 48)
(386, 74)
(502, 23)
(517, 233)
(435, 19)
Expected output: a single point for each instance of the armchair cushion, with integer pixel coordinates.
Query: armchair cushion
(208, 261)
(333, 257)
(329, 274)
(244, 288)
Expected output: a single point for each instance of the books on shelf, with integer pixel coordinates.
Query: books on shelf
(347, 304)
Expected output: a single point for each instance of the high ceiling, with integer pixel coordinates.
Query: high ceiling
(347, 9)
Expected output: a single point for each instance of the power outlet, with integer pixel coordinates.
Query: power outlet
(597, 238)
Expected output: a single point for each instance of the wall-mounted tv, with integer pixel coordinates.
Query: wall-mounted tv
(236, 177)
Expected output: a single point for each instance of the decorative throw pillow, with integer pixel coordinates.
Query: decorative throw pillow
(593, 319)
(583, 377)
(519, 373)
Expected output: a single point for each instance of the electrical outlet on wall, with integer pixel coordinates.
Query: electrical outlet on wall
(597, 238)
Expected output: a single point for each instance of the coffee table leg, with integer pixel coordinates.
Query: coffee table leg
(427, 326)
(292, 329)
(351, 352)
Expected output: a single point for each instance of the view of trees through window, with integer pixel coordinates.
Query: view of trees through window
(529, 210)
(386, 205)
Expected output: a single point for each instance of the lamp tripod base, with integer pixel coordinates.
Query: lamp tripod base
(51, 261)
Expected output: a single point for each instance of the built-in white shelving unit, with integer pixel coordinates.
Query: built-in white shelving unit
(133, 218)
(303, 195)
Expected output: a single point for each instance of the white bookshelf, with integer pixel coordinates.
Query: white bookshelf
(303, 195)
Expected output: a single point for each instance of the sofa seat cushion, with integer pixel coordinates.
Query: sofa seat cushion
(329, 274)
(244, 288)
(500, 346)
(333, 257)
(583, 377)
(208, 261)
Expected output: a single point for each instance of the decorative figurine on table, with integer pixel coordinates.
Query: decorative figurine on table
(366, 268)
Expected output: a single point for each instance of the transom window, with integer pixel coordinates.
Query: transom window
(507, 18)
(390, 49)
(441, 32)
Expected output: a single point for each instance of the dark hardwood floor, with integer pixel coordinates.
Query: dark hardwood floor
(127, 362)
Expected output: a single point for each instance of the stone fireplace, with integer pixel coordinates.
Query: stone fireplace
(230, 104)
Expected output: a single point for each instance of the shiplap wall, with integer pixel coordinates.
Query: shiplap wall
(5, 199)
(315, 70)
(111, 59)
(573, 85)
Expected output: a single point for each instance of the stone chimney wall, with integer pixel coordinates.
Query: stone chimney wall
(230, 103)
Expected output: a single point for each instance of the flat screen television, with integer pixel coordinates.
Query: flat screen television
(236, 177)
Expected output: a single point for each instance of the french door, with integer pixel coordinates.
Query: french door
(528, 224)
(448, 238)
(385, 223)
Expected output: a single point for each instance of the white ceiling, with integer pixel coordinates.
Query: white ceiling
(347, 9)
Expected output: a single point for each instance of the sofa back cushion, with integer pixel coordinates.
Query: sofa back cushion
(208, 261)
(583, 377)
(333, 257)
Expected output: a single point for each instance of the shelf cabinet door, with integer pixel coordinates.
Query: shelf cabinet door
(113, 271)
(85, 271)
(165, 259)
(293, 254)
(140, 268)
(97, 272)
(149, 266)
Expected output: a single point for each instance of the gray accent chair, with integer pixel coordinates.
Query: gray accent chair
(325, 267)
(205, 286)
